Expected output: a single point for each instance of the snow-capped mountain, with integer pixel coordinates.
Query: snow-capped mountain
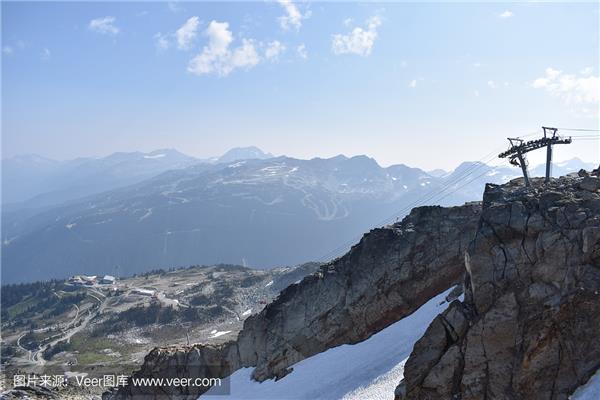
(564, 167)
(258, 212)
(243, 153)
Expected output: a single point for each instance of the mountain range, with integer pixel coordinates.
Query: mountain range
(246, 207)
(33, 181)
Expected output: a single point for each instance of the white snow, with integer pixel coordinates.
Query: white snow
(367, 370)
(269, 284)
(219, 333)
(247, 312)
(148, 213)
(8, 241)
(589, 391)
(69, 226)
(155, 156)
(273, 170)
(382, 387)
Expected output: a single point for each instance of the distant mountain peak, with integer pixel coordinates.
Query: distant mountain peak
(244, 153)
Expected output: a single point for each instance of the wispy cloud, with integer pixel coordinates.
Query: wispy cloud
(7, 50)
(274, 50)
(581, 90)
(187, 33)
(293, 17)
(104, 25)
(412, 84)
(161, 41)
(302, 52)
(45, 54)
(359, 41)
(492, 84)
(217, 57)
(183, 38)
(506, 14)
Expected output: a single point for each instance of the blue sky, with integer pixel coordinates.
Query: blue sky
(427, 84)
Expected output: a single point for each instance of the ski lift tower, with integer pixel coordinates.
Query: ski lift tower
(518, 149)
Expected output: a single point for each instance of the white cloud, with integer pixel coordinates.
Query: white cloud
(104, 25)
(412, 84)
(45, 54)
(476, 93)
(492, 84)
(586, 71)
(161, 41)
(218, 58)
(293, 17)
(187, 33)
(476, 64)
(274, 50)
(506, 14)
(348, 22)
(7, 50)
(358, 41)
(573, 89)
(301, 50)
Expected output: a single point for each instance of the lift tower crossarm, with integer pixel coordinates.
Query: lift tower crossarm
(518, 149)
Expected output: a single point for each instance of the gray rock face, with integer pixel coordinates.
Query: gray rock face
(389, 274)
(198, 361)
(529, 324)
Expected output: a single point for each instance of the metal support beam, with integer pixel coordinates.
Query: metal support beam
(523, 165)
(548, 163)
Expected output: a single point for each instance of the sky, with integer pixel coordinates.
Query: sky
(424, 84)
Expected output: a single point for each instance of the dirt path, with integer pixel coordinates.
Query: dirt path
(38, 355)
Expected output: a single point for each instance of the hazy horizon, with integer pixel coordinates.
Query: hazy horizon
(214, 157)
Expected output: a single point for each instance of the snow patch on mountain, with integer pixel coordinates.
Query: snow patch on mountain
(218, 334)
(370, 369)
(589, 391)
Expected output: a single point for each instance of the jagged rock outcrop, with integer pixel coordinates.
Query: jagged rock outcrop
(528, 327)
(389, 274)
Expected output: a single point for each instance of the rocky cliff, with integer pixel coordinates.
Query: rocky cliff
(528, 327)
(389, 274)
